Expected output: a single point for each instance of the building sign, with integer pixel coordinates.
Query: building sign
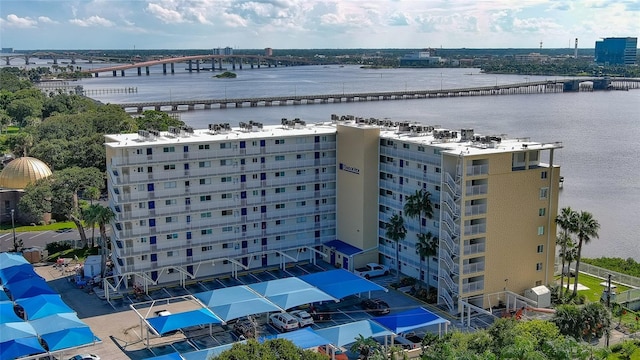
(349, 169)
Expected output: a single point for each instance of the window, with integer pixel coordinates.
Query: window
(421, 148)
(225, 246)
(301, 187)
(544, 192)
(140, 169)
(227, 228)
(203, 147)
(226, 179)
(224, 145)
(543, 175)
(170, 185)
(169, 149)
(143, 240)
(226, 196)
(170, 202)
(206, 181)
(188, 235)
(280, 174)
(207, 248)
(142, 205)
(187, 201)
(172, 236)
(542, 211)
(205, 215)
(540, 249)
(300, 172)
(279, 190)
(301, 203)
(169, 219)
(540, 230)
(539, 266)
(300, 156)
(225, 162)
(279, 157)
(206, 232)
(188, 219)
(227, 212)
(142, 222)
(279, 222)
(170, 253)
(204, 164)
(279, 141)
(301, 219)
(149, 151)
(279, 206)
(405, 146)
(205, 198)
(170, 167)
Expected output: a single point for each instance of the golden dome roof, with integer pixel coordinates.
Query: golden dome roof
(22, 171)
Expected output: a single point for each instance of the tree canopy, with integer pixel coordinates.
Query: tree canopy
(276, 349)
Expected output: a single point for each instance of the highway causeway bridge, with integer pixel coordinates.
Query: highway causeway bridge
(536, 87)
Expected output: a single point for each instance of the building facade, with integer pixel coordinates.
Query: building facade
(617, 51)
(210, 202)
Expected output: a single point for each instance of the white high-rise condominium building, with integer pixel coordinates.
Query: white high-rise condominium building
(221, 200)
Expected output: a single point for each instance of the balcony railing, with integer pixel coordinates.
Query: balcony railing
(475, 170)
(477, 190)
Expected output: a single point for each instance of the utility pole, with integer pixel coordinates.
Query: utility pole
(13, 227)
(608, 330)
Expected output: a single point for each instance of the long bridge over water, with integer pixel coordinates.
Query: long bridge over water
(536, 87)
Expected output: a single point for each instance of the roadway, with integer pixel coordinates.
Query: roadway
(41, 238)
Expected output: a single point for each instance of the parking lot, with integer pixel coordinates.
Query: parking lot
(122, 338)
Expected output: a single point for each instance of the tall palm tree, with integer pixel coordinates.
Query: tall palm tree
(101, 215)
(418, 206)
(567, 221)
(396, 232)
(586, 229)
(92, 193)
(426, 247)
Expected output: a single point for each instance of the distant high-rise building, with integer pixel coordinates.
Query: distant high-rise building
(617, 51)
(268, 52)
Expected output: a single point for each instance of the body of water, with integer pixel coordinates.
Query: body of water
(600, 130)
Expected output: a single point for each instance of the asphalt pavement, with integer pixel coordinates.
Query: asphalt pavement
(40, 238)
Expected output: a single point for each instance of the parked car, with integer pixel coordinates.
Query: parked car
(375, 306)
(320, 312)
(303, 317)
(245, 329)
(283, 322)
(85, 357)
(372, 270)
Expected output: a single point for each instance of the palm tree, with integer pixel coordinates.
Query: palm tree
(396, 232)
(586, 229)
(92, 193)
(567, 221)
(364, 346)
(570, 255)
(418, 206)
(101, 215)
(426, 247)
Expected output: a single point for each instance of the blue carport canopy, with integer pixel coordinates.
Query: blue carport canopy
(410, 320)
(12, 349)
(209, 353)
(172, 356)
(165, 324)
(7, 314)
(235, 302)
(303, 338)
(340, 283)
(8, 260)
(16, 330)
(43, 305)
(3, 295)
(63, 331)
(28, 288)
(290, 292)
(342, 335)
(17, 273)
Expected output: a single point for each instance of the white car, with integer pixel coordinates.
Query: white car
(85, 357)
(283, 322)
(303, 317)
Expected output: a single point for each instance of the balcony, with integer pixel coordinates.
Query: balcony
(474, 210)
(475, 170)
(474, 190)
(475, 229)
(473, 268)
(474, 249)
(473, 287)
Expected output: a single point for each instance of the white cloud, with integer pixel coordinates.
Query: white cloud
(46, 20)
(15, 21)
(167, 16)
(92, 21)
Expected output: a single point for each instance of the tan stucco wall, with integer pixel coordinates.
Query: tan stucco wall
(357, 194)
(512, 226)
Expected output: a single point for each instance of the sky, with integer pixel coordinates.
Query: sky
(313, 24)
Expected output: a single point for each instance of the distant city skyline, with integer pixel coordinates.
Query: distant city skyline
(308, 24)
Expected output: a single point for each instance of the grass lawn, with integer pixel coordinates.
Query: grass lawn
(25, 228)
(594, 292)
